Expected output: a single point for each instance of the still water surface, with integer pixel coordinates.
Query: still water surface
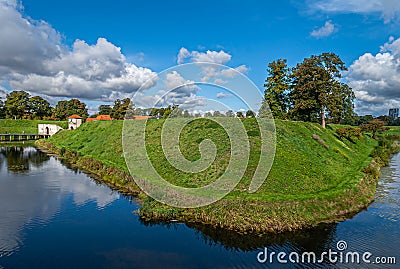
(52, 216)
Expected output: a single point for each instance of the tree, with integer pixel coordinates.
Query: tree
(208, 114)
(217, 114)
(39, 107)
(341, 105)
(317, 89)
(186, 114)
(105, 110)
(64, 109)
(16, 104)
(277, 85)
(239, 114)
(364, 119)
(121, 107)
(2, 111)
(250, 114)
(230, 114)
(374, 126)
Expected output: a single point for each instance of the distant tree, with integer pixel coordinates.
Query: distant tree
(65, 108)
(156, 112)
(39, 107)
(364, 119)
(142, 111)
(250, 114)
(16, 104)
(105, 110)
(208, 114)
(230, 114)
(172, 111)
(2, 111)
(388, 120)
(374, 126)
(218, 114)
(121, 107)
(239, 114)
(186, 114)
(317, 89)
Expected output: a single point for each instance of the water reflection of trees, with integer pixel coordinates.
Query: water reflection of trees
(20, 159)
(317, 239)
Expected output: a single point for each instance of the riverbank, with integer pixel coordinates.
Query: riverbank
(310, 182)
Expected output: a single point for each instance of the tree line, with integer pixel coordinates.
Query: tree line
(21, 105)
(310, 91)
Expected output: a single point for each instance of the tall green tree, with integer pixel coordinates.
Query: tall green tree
(341, 105)
(317, 88)
(39, 107)
(16, 104)
(230, 114)
(105, 110)
(277, 85)
(250, 114)
(64, 109)
(121, 107)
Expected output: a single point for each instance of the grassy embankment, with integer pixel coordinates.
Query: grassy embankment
(311, 180)
(26, 126)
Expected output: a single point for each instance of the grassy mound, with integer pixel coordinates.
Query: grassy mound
(315, 177)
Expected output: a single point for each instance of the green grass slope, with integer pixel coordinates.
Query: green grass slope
(27, 126)
(310, 181)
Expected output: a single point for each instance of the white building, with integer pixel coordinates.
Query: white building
(74, 122)
(48, 129)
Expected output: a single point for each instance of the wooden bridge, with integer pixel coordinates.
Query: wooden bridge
(21, 137)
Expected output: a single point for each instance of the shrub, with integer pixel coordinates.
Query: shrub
(349, 132)
(374, 126)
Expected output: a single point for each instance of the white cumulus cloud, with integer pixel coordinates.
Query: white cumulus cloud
(211, 72)
(33, 58)
(375, 79)
(324, 31)
(389, 10)
(221, 95)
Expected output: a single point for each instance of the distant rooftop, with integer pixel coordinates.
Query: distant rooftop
(74, 117)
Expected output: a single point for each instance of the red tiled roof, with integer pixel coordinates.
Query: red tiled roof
(100, 117)
(74, 117)
(142, 117)
(103, 117)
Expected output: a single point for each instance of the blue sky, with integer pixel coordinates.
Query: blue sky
(53, 48)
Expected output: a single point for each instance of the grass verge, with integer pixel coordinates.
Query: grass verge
(311, 180)
(25, 126)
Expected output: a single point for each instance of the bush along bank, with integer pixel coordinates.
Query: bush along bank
(316, 176)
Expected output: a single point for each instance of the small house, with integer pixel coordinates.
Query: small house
(48, 129)
(74, 122)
